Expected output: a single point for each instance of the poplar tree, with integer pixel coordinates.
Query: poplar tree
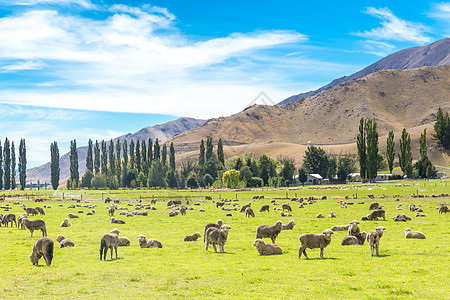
(201, 156)
(372, 149)
(405, 155)
(97, 157)
(13, 166)
(22, 164)
(125, 155)
(442, 129)
(156, 151)
(54, 165)
(89, 159)
(74, 174)
(390, 151)
(209, 149)
(150, 153)
(132, 156)
(118, 162)
(138, 156)
(104, 159)
(220, 155)
(172, 157)
(164, 155)
(361, 145)
(112, 159)
(7, 164)
(144, 165)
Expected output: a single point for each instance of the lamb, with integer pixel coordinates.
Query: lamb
(374, 237)
(379, 213)
(249, 212)
(264, 208)
(244, 207)
(331, 215)
(63, 242)
(215, 225)
(266, 249)
(111, 210)
(40, 210)
(42, 247)
(148, 243)
(9, 218)
(192, 238)
(311, 241)
(72, 216)
(269, 231)
(124, 241)
(288, 226)
(414, 234)
(320, 216)
(35, 225)
(353, 240)
(117, 221)
(215, 236)
(286, 206)
(108, 241)
(340, 227)
(283, 214)
(65, 223)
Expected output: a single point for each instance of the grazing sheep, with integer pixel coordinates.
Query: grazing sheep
(288, 226)
(340, 227)
(215, 236)
(215, 225)
(20, 225)
(192, 238)
(418, 214)
(124, 241)
(40, 210)
(286, 206)
(42, 247)
(266, 249)
(379, 213)
(108, 241)
(9, 218)
(331, 215)
(111, 210)
(249, 212)
(148, 243)
(72, 216)
(311, 241)
(443, 209)
(65, 223)
(375, 205)
(374, 237)
(173, 213)
(264, 208)
(244, 207)
(183, 210)
(283, 214)
(115, 231)
(353, 240)
(35, 225)
(63, 242)
(269, 231)
(320, 216)
(414, 234)
(31, 211)
(117, 221)
(208, 198)
(401, 218)
(220, 204)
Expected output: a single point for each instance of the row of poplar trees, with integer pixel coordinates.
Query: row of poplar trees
(8, 165)
(120, 164)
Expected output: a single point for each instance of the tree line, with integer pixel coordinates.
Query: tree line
(8, 164)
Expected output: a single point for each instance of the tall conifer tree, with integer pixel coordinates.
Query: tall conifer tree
(22, 164)
(54, 165)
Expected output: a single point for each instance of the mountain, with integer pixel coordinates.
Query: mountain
(162, 132)
(435, 54)
(396, 99)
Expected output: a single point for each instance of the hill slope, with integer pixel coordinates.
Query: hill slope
(394, 98)
(161, 132)
(435, 54)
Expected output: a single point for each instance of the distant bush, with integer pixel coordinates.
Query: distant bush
(255, 182)
(396, 177)
(192, 183)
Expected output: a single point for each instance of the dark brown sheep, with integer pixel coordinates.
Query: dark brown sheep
(264, 208)
(42, 247)
(249, 212)
(286, 206)
(192, 238)
(379, 213)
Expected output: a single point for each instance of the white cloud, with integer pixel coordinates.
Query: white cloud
(441, 11)
(136, 60)
(378, 48)
(25, 65)
(395, 29)
(83, 3)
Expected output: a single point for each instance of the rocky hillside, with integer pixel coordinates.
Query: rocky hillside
(436, 54)
(394, 98)
(161, 132)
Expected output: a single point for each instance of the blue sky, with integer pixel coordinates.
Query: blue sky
(97, 69)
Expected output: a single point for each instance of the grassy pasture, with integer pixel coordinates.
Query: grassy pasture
(405, 269)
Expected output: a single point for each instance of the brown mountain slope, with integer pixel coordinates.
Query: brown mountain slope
(394, 98)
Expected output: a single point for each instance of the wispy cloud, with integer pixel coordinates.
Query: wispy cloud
(20, 66)
(83, 3)
(441, 11)
(395, 29)
(378, 48)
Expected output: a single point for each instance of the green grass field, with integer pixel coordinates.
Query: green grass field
(405, 269)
